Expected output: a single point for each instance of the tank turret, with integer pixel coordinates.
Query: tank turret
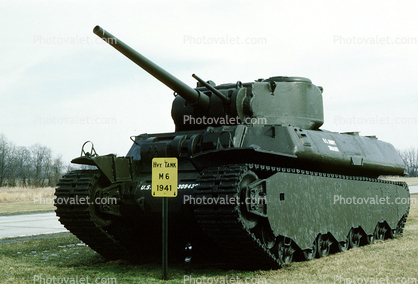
(277, 100)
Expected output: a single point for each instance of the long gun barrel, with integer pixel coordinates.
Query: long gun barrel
(194, 97)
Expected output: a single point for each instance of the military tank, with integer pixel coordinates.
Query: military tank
(257, 178)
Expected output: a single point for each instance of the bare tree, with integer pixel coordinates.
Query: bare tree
(11, 168)
(33, 166)
(56, 171)
(41, 160)
(410, 158)
(3, 158)
(23, 161)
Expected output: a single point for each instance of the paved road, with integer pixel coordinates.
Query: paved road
(30, 224)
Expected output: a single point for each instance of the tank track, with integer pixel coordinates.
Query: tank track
(77, 218)
(223, 223)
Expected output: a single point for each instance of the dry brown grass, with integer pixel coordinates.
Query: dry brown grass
(413, 211)
(16, 194)
(24, 200)
(408, 180)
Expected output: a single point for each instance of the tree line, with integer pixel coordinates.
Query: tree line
(410, 158)
(35, 165)
(28, 166)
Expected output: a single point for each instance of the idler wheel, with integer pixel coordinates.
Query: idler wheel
(248, 219)
(95, 212)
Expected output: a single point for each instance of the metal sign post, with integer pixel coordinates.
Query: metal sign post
(165, 237)
(164, 184)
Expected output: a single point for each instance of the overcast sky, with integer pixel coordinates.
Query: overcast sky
(61, 85)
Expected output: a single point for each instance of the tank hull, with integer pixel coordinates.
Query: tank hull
(290, 194)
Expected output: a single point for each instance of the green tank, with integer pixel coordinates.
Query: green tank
(259, 182)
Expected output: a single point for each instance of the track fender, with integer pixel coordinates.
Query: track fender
(301, 206)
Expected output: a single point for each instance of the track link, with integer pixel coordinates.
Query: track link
(223, 223)
(77, 218)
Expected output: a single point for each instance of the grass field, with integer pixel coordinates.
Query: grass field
(67, 260)
(25, 200)
(408, 180)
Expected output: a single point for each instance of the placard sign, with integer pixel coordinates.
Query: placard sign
(164, 177)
